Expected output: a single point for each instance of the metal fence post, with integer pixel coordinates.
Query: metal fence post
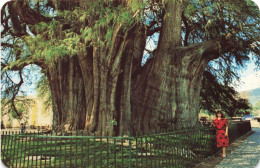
(130, 153)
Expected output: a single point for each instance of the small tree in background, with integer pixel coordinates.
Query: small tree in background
(19, 110)
(215, 95)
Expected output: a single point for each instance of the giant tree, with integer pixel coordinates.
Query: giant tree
(91, 53)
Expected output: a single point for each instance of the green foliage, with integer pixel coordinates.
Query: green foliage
(215, 96)
(235, 20)
(44, 93)
(256, 109)
(257, 105)
(113, 122)
(103, 18)
(19, 111)
(51, 43)
(74, 29)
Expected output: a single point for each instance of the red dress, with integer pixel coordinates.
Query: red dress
(222, 139)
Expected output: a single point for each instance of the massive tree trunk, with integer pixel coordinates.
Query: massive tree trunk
(105, 90)
(93, 89)
(165, 80)
(112, 71)
(166, 91)
(68, 96)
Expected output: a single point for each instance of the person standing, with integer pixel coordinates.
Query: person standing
(221, 124)
(22, 128)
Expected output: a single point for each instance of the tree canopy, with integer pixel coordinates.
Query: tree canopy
(93, 51)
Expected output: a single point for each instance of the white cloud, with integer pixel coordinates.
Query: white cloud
(257, 2)
(249, 82)
(2, 2)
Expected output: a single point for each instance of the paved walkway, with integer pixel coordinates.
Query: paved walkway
(242, 153)
(247, 155)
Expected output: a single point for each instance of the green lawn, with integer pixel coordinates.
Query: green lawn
(181, 149)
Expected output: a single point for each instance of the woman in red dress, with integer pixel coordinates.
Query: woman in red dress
(222, 131)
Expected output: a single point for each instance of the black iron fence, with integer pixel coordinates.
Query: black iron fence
(166, 148)
(237, 129)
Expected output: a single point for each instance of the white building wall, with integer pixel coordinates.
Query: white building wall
(37, 116)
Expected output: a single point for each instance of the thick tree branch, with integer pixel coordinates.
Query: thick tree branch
(7, 45)
(152, 31)
(187, 27)
(26, 14)
(21, 63)
(211, 49)
(171, 25)
(14, 89)
(4, 22)
(152, 23)
(19, 14)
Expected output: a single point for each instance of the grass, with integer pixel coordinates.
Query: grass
(179, 149)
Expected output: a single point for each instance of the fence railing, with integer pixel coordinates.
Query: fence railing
(237, 129)
(170, 148)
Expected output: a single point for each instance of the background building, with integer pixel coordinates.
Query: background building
(37, 115)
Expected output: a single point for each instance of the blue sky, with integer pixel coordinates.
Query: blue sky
(250, 77)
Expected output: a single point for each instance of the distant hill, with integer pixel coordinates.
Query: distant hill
(252, 95)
